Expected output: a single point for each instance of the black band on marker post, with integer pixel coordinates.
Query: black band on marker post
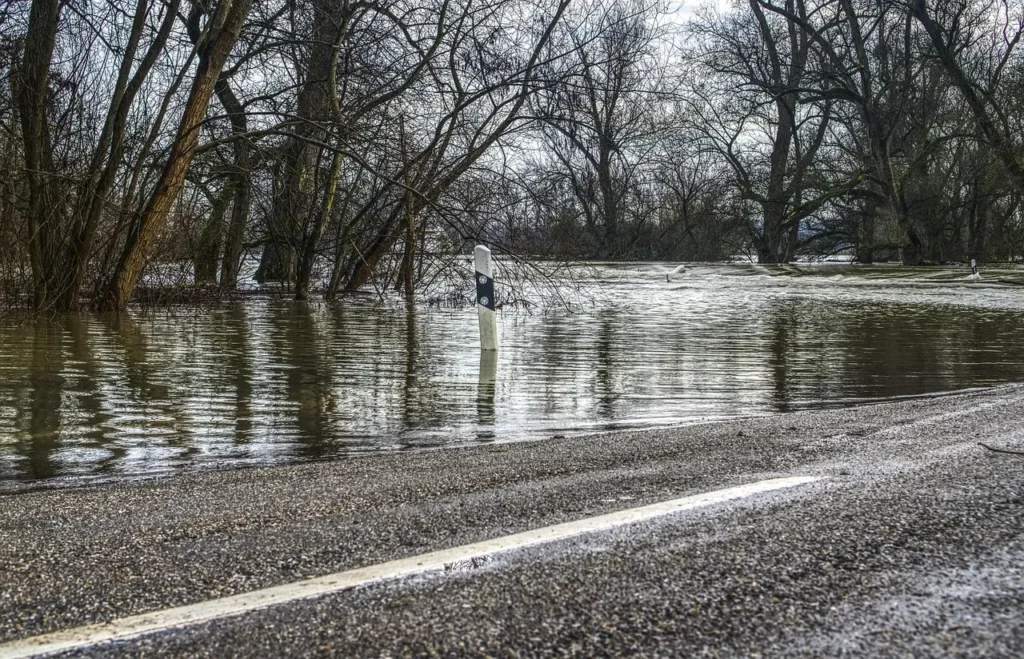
(485, 291)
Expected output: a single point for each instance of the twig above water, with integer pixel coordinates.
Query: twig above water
(1000, 450)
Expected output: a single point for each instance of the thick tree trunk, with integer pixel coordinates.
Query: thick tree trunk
(866, 234)
(778, 243)
(912, 252)
(772, 245)
(609, 202)
(775, 242)
(208, 251)
(295, 212)
(894, 202)
(277, 262)
(30, 84)
(315, 232)
(225, 26)
(981, 205)
(235, 236)
(8, 199)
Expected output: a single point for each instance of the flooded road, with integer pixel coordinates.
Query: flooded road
(271, 381)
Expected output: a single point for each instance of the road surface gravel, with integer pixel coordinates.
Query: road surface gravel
(912, 544)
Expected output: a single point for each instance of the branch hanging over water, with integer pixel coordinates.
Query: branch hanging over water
(1000, 450)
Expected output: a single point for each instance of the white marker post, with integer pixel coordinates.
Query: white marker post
(485, 298)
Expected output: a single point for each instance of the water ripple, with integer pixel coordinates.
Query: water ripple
(265, 381)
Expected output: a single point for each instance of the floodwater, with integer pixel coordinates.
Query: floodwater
(273, 381)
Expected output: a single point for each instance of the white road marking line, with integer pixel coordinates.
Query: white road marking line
(192, 614)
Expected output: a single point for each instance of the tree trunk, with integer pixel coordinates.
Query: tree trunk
(295, 211)
(314, 233)
(407, 273)
(775, 208)
(208, 251)
(980, 207)
(773, 244)
(30, 84)
(866, 234)
(911, 253)
(235, 237)
(277, 262)
(609, 203)
(110, 150)
(225, 26)
(979, 104)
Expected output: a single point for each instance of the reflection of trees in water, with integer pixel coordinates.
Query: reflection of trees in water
(307, 375)
(215, 367)
(278, 381)
(485, 394)
(412, 354)
(885, 352)
(430, 395)
(46, 384)
(604, 352)
(848, 351)
(65, 405)
(783, 324)
(561, 341)
(152, 358)
(86, 371)
(233, 342)
(88, 395)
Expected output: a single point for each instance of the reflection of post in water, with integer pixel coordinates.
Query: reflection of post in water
(485, 393)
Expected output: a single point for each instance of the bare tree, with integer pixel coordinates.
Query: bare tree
(977, 43)
(602, 123)
(748, 97)
(222, 31)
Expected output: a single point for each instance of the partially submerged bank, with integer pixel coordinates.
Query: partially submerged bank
(906, 491)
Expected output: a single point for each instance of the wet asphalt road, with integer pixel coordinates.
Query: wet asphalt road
(912, 545)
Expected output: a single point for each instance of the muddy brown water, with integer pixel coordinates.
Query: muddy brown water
(269, 381)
